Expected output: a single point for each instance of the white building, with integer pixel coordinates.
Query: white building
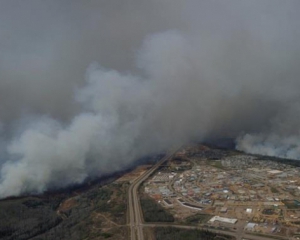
(223, 219)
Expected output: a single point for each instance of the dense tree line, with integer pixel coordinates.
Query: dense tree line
(153, 212)
(23, 219)
(166, 233)
(38, 218)
(197, 218)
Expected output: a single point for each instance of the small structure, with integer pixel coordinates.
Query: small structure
(248, 210)
(273, 172)
(250, 226)
(223, 219)
(223, 210)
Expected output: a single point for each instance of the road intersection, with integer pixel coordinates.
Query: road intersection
(136, 222)
(135, 213)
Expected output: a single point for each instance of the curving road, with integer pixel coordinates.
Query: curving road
(135, 213)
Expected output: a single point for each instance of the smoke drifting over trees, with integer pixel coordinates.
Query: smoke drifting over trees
(87, 87)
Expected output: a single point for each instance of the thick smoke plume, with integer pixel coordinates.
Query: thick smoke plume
(104, 83)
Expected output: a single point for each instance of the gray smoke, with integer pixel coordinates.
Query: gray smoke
(87, 88)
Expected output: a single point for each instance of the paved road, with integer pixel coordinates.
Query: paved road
(135, 215)
(234, 234)
(136, 222)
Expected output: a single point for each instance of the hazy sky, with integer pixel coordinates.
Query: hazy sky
(87, 87)
(46, 47)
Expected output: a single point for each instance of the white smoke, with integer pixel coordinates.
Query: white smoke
(125, 117)
(225, 70)
(282, 136)
(270, 145)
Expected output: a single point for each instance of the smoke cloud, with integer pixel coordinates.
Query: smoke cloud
(87, 88)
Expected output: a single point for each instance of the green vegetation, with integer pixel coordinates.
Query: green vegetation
(116, 206)
(274, 190)
(291, 204)
(25, 219)
(198, 218)
(166, 233)
(268, 211)
(217, 164)
(106, 235)
(153, 212)
(102, 194)
(71, 216)
(264, 235)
